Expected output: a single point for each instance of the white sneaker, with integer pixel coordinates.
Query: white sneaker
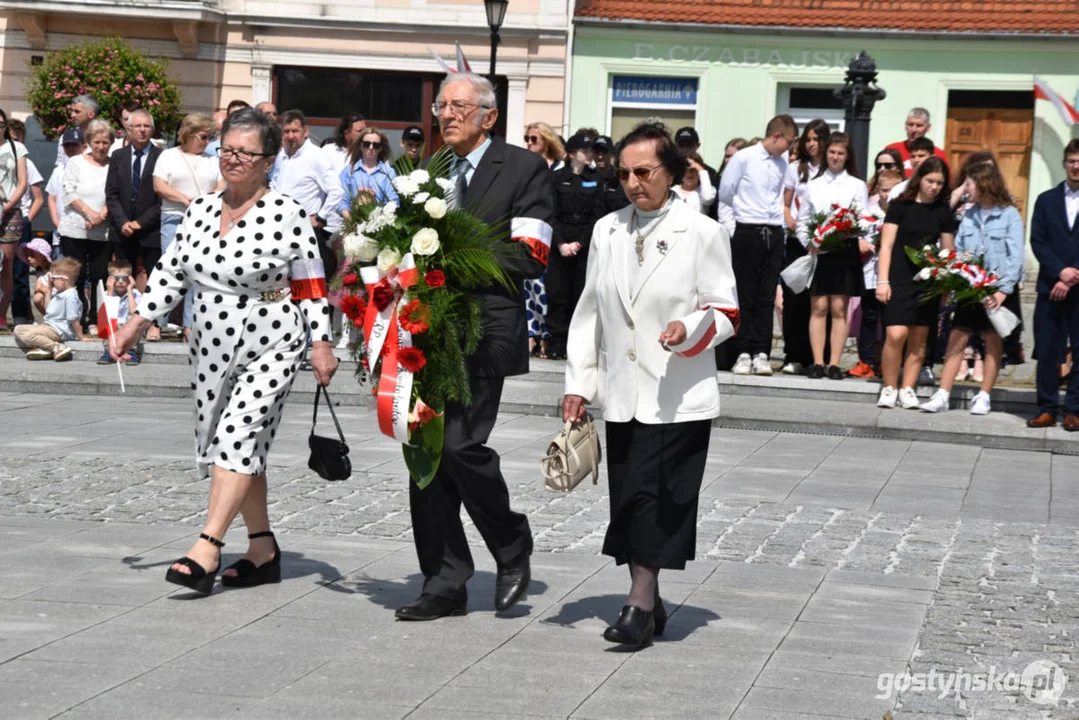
(925, 377)
(743, 365)
(908, 400)
(936, 404)
(887, 397)
(979, 404)
(793, 368)
(761, 365)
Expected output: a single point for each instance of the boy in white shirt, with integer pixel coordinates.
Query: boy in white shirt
(121, 285)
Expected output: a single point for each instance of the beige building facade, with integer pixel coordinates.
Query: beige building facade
(326, 58)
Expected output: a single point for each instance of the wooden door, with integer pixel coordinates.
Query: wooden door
(1008, 134)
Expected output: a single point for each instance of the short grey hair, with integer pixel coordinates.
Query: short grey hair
(97, 127)
(251, 119)
(145, 113)
(919, 113)
(87, 101)
(485, 91)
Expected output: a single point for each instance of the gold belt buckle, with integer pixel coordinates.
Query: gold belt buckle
(272, 295)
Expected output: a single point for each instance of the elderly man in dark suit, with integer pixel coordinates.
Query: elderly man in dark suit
(134, 207)
(1054, 238)
(499, 183)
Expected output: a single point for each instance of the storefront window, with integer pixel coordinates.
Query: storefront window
(669, 100)
(809, 102)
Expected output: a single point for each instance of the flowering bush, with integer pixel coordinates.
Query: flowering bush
(111, 72)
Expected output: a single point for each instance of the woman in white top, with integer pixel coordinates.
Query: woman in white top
(181, 174)
(13, 184)
(839, 274)
(697, 191)
(337, 148)
(84, 230)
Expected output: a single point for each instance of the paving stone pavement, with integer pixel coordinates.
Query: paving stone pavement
(823, 562)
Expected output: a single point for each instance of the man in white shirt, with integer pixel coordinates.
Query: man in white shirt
(306, 174)
(752, 184)
(83, 109)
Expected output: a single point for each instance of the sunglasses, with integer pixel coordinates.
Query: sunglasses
(121, 278)
(640, 173)
(532, 139)
(886, 166)
(203, 136)
(371, 145)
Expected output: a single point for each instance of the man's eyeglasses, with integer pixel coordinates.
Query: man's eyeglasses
(641, 173)
(121, 278)
(532, 139)
(239, 155)
(457, 107)
(886, 166)
(371, 145)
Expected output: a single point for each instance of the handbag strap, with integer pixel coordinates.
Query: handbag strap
(320, 390)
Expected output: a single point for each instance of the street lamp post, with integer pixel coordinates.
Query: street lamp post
(496, 13)
(859, 94)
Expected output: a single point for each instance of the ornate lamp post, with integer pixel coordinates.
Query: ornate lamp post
(496, 13)
(859, 94)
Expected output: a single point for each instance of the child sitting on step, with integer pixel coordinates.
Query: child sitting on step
(120, 285)
(44, 340)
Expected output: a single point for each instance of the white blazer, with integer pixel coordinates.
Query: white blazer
(689, 279)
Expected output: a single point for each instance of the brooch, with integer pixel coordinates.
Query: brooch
(661, 245)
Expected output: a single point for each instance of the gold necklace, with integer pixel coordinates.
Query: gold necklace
(233, 218)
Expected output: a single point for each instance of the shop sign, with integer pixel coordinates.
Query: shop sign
(790, 58)
(654, 90)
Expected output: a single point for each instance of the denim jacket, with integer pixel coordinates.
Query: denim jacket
(997, 235)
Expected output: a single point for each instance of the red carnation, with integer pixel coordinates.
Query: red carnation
(435, 278)
(383, 294)
(350, 280)
(411, 359)
(415, 317)
(353, 307)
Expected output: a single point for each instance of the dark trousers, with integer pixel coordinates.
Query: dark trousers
(565, 282)
(138, 255)
(867, 333)
(326, 253)
(469, 474)
(20, 293)
(757, 257)
(796, 348)
(95, 256)
(1055, 325)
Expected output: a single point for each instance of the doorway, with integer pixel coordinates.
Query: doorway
(999, 122)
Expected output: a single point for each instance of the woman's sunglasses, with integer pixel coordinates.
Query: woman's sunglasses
(532, 139)
(371, 145)
(886, 166)
(641, 173)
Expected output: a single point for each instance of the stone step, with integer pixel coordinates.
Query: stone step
(788, 404)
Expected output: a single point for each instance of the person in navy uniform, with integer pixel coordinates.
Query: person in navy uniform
(614, 197)
(578, 204)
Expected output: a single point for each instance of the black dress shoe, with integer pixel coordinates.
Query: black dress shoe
(815, 372)
(635, 627)
(659, 615)
(511, 583)
(433, 607)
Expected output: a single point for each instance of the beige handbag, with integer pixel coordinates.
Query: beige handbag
(572, 455)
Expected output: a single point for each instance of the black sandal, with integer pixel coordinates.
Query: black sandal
(248, 575)
(198, 579)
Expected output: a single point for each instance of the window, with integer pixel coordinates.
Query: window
(808, 102)
(670, 100)
(331, 93)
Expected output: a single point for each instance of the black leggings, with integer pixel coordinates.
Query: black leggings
(95, 256)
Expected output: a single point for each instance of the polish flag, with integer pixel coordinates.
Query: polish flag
(1042, 91)
(462, 63)
(108, 310)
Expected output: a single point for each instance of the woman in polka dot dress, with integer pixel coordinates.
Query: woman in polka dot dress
(251, 259)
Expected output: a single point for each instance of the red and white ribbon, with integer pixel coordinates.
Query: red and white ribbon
(307, 279)
(535, 234)
(719, 301)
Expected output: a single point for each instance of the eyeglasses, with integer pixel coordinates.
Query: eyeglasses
(371, 145)
(54, 276)
(242, 156)
(121, 278)
(203, 136)
(639, 172)
(457, 107)
(532, 139)
(886, 166)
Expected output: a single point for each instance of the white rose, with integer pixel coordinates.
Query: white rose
(388, 258)
(367, 251)
(420, 176)
(405, 185)
(350, 245)
(923, 274)
(436, 208)
(425, 242)
(445, 184)
(420, 197)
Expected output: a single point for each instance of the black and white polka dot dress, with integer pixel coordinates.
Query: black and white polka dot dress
(248, 336)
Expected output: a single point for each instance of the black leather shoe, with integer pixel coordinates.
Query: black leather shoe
(511, 583)
(433, 607)
(634, 627)
(835, 373)
(815, 372)
(659, 615)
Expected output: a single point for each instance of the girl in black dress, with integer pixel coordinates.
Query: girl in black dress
(919, 216)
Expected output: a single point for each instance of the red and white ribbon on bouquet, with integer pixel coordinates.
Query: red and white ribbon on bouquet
(384, 337)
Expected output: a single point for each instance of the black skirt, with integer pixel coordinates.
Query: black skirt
(655, 474)
(907, 307)
(838, 273)
(973, 317)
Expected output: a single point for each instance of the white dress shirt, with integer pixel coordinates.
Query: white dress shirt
(898, 190)
(307, 176)
(1071, 204)
(338, 156)
(792, 181)
(752, 184)
(824, 191)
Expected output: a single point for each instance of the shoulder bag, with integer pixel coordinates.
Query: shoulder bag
(572, 456)
(329, 456)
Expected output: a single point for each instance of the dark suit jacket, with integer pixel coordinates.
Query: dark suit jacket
(509, 183)
(1054, 243)
(147, 207)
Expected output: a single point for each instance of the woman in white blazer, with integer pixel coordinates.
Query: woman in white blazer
(659, 295)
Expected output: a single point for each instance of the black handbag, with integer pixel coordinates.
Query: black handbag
(329, 456)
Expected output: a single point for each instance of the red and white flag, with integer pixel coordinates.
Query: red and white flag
(462, 63)
(108, 312)
(1042, 91)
